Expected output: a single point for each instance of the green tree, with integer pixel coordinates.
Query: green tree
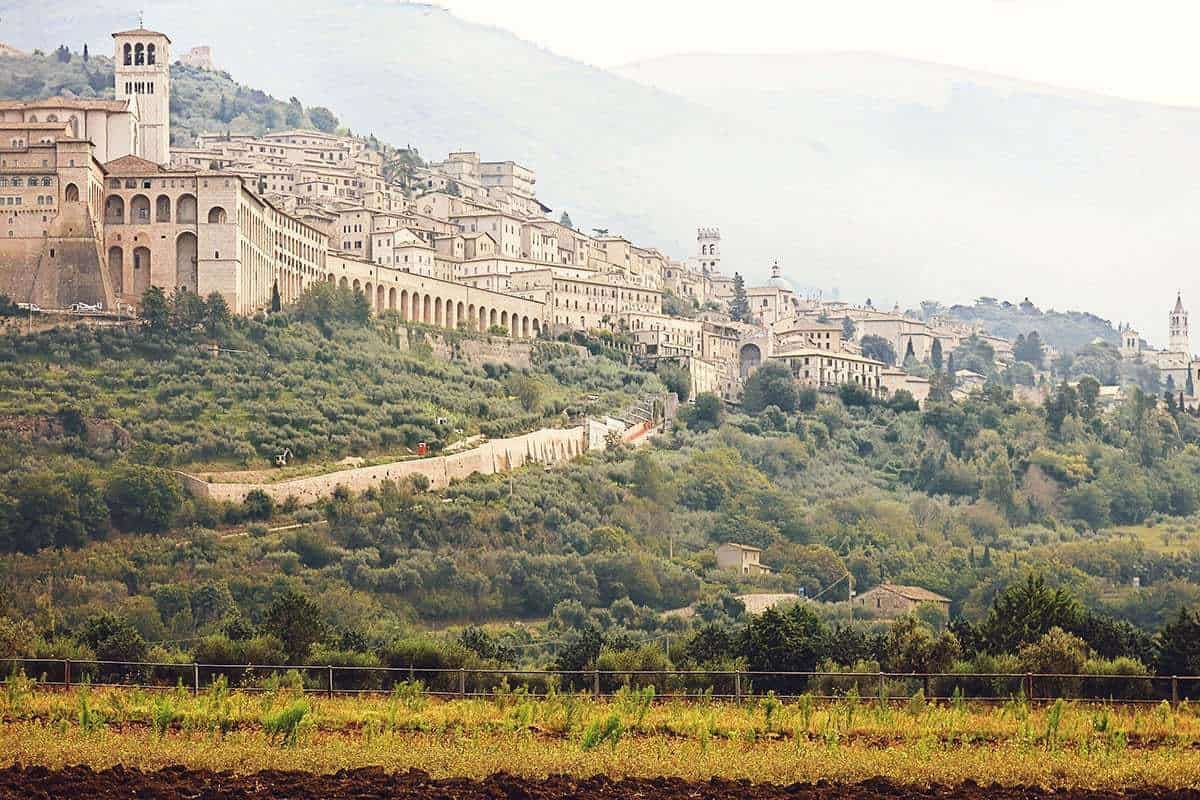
(113, 639)
(794, 639)
(706, 413)
(1177, 645)
(770, 385)
(296, 621)
(323, 119)
(156, 309)
(878, 348)
(739, 304)
(142, 499)
(276, 302)
(935, 354)
(1026, 611)
(216, 314)
(527, 389)
(847, 328)
(1088, 504)
(1029, 349)
(677, 379)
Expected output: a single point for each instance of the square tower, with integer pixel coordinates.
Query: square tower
(708, 245)
(143, 75)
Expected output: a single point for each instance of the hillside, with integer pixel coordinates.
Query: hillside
(1065, 331)
(201, 101)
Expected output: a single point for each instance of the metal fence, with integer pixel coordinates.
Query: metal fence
(681, 684)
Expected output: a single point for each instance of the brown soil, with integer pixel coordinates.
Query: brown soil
(178, 782)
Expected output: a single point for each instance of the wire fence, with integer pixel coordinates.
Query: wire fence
(334, 680)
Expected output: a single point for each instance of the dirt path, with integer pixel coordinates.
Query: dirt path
(176, 782)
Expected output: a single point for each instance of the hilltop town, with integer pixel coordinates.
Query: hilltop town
(100, 206)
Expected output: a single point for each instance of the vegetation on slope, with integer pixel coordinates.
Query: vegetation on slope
(202, 101)
(1065, 331)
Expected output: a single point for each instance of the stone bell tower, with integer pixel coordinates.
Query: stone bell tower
(143, 74)
(1179, 329)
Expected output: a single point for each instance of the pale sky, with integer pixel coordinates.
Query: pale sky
(1138, 49)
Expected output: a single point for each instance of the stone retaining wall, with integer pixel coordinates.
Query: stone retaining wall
(546, 446)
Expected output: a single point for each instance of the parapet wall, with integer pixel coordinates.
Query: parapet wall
(546, 446)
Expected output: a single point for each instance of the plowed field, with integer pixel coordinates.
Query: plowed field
(81, 782)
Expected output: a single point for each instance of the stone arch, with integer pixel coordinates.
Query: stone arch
(525, 327)
(472, 317)
(483, 318)
(537, 327)
(391, 301)
(380, 299)
(437, 312)
(343, 283)
(217, 216)
(504, 319)
(116, 269)
(185, 209)
(139, 209)
(151, 56)
(162, 208)
(749, 359)
(368, 292)
(139, 55)
(114, 210)
(356, 286)
(404, 307)
(459, 311)
(141, 270)
(427, 309)
(71, 195)
(128, 55)
(491, 317)
(187, 274)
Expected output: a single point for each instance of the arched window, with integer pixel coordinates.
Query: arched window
(116, 269)
(162, 209)
(72, 193)
(114, 210)
(128, 55)
(150, 57)
(185, 209)
(139, 209)
(139, 55)
(216, 215)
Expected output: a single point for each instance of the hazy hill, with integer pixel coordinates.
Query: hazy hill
(201, 100)
(885, 178)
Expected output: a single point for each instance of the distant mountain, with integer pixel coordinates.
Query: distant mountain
(885, 178)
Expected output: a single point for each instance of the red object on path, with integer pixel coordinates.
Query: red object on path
(422, 448)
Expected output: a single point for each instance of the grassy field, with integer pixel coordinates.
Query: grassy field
(1063, 744)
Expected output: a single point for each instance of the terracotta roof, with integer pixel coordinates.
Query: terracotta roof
(73, 103)
(133, 165)
(750, 548)
(915, 593)
(141, 32)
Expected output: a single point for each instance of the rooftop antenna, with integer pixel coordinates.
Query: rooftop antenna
(141, 19)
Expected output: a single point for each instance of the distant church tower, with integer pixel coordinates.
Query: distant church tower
(1179, 329)
(708, 240)
(143, 73)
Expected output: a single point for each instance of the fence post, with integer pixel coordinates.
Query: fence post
(330, 692)
(596, 684)
(925, 685)
(462, 682)
(411, 673)
(737, 685)
(1175, 690)
(67, 671)
(882, 688)
(195, 679)
(1029, 687)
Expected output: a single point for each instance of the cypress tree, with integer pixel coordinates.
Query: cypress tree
(276, 302)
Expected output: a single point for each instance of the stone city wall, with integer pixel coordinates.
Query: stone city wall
(546, 446)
